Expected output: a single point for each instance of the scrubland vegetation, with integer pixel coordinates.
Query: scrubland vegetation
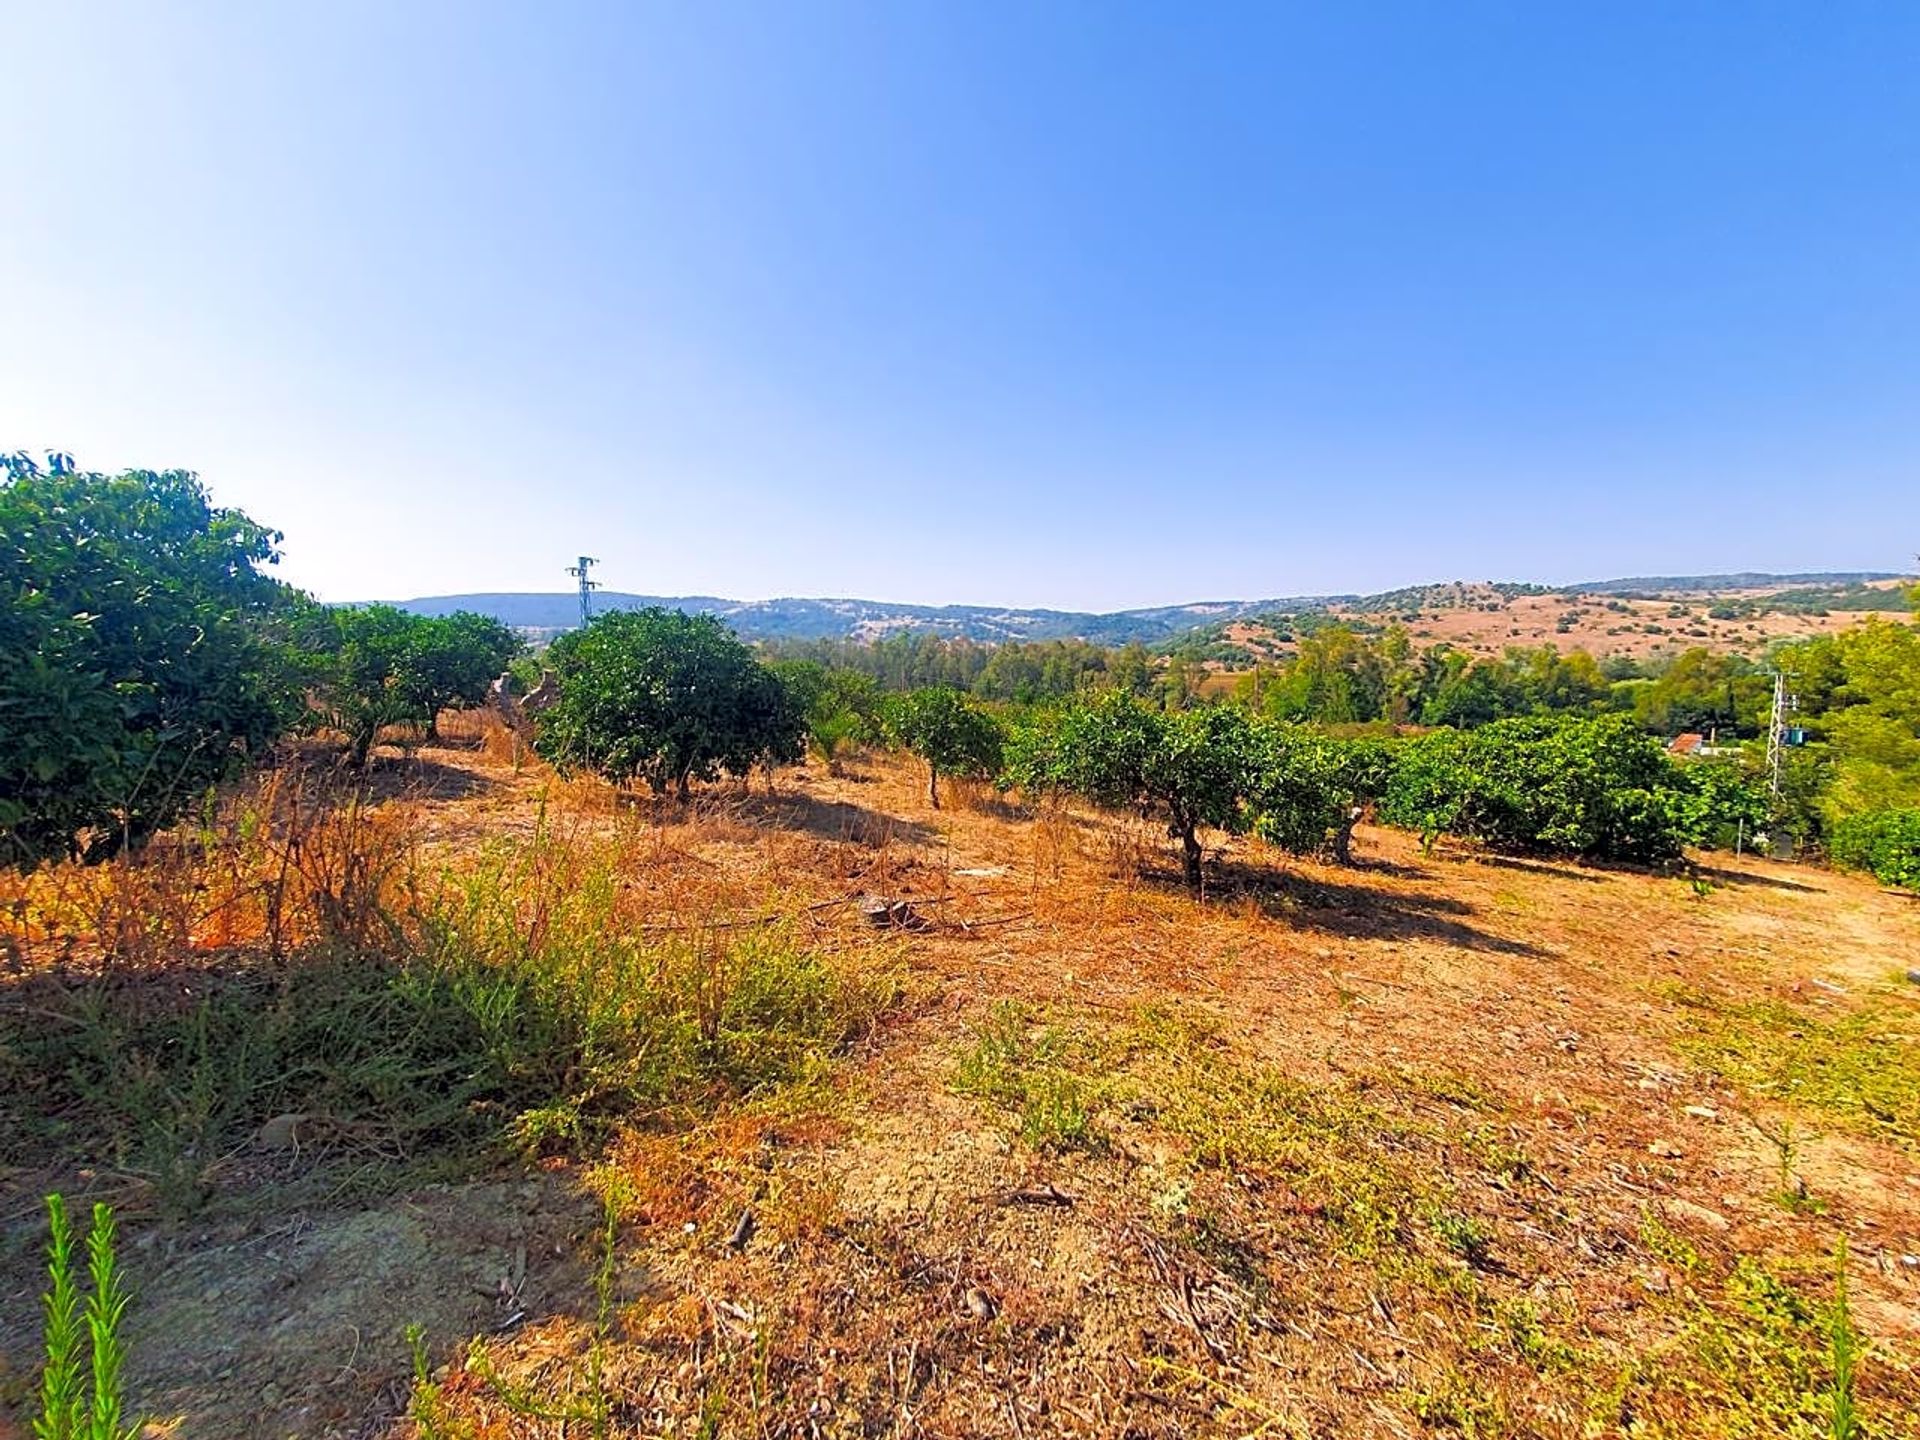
(1382, 1043)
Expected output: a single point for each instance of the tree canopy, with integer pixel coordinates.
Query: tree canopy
(137, 664)
(949, 732)
(666, 698)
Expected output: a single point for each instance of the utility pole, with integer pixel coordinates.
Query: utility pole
(1776, 730)
(587, 587)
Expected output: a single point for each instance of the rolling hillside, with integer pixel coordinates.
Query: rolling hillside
(1632, 615)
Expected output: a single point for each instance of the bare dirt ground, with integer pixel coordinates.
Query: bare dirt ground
(1448, 1143)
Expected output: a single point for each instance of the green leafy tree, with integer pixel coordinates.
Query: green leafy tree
(667, 698)
(1188, 768)
(452, 659)
(950, 733)
(361, 660)
(840, 706)
(1883, 842)
(1585, 786)
(139, 658)
(1305, 789)
(1337, 678)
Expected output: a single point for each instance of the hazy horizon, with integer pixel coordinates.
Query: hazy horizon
(1076, 307)
(991, 603)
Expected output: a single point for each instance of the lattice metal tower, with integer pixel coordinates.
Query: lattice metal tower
(587, 586)
(1777, 730)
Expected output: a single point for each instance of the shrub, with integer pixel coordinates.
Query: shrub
(1593, 787)
(840, 706)
(453, 659)
(1885, 843)
(949, 732)
(664, 697)
(136, 665)
(1305, 789)
(1713, 803)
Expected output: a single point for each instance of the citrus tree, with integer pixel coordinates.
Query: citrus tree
(1885, 843)
(1307, 790)
(138, 655)
(1189, 769)
(452, 659)
(1595, 787)
(361, 681)
(948, 731)
(666, 698)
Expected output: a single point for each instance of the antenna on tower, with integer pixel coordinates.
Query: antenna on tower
(587, 587)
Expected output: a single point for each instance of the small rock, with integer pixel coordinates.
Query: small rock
(1703, 1112)
(1699, 1214)
(1913, 975)
(1665, 1149)
(981, 1303)
(282, 1132)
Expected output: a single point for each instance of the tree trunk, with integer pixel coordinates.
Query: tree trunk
(933, 787)
(1343, 837)
(1190, 858)
(683, 786)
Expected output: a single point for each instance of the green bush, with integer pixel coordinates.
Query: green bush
(1190, 768)
(1885, 843)
(1304, 787)
(1593, 787)
(371, 666)
(948, 731)
(137, 664)
(665, 697)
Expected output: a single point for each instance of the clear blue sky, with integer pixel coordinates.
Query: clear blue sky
(1086, 305)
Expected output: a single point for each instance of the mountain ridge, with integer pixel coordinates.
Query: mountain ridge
(834, 617)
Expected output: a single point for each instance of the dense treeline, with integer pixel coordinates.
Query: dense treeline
(1018, 671)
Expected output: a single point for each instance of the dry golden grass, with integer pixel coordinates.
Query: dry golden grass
(1451, 1144)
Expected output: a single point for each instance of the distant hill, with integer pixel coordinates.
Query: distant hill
(811, 619)
(1742, 580)
(814, 619)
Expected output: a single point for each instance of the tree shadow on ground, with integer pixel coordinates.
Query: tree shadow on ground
(829, 819)
(1544, 867)
(1742, 877)
(1360, 912)
(415, 777)
(391, 774)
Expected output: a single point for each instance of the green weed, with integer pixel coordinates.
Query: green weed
(1752, 1358)
(1843, 1353)
(78, 1334)
(1461, 1235)
(1025, 1067)
(1860, 1067)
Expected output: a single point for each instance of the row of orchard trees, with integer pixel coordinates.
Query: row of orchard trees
(665, 698)
(146, 653)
